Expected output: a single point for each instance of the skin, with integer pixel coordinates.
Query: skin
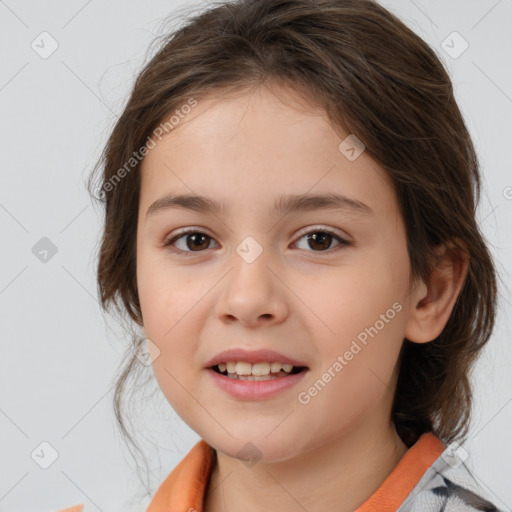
(306, 302)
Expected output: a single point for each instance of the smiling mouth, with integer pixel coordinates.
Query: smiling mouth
(269, 376)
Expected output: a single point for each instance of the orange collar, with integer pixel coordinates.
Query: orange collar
(407, 473)
(184, 488)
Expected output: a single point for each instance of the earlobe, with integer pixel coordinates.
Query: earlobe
(431, 304)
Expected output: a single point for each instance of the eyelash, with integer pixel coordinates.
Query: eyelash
(168, 243)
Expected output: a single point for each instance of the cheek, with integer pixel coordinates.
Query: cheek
(355, 373)
(168, 311)
(164, 292)
(172, 305)
(354, 298)
(360, 314)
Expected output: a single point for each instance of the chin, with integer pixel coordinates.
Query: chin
(254, 449)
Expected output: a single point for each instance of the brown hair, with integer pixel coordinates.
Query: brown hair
(375, 78)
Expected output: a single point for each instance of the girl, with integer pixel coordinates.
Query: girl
(290, 201)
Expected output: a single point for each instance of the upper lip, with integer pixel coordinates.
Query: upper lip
(252, 356)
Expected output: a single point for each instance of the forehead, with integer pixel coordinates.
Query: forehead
(255, 116)
(252, 147)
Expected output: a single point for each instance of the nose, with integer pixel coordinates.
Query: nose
(252, 293)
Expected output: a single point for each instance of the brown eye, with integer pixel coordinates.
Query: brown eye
(195, 241)
(320, 240)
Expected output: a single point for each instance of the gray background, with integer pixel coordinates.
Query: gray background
(59, 353)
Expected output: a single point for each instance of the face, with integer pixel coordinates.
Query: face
(325, 286)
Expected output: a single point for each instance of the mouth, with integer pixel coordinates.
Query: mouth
(261, 380)
(257, 371)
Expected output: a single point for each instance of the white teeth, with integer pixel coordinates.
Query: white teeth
(262, 368)
(243, 368)
(251, 377)
(256, 369)
(275, 367)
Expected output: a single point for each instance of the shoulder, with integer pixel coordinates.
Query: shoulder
(448, 486)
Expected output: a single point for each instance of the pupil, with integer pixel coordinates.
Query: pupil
(195, 237)
(320, 237)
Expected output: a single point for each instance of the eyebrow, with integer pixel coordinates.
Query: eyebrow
(284, 204)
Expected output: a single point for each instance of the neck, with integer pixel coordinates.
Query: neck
(340, 475)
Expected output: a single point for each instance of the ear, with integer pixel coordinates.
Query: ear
(431, 304)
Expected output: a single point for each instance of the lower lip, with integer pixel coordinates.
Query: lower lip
(255, 389)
